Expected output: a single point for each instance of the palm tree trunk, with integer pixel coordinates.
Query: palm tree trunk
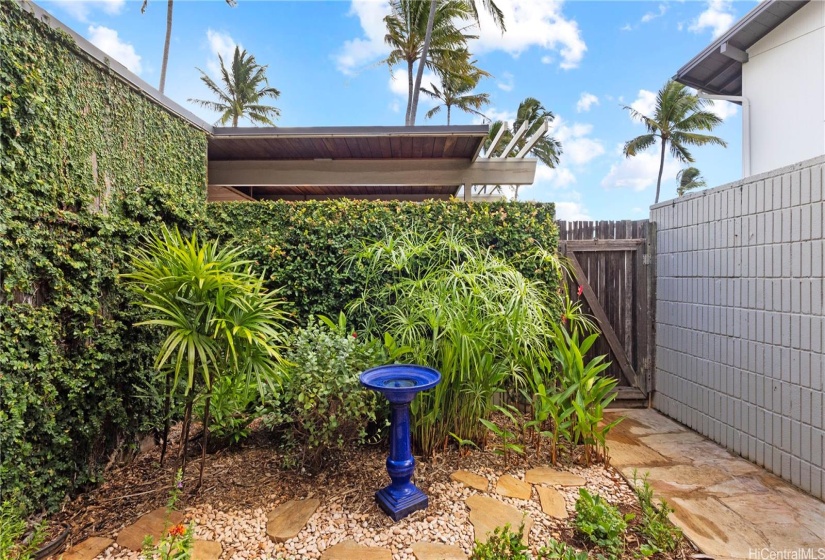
(661, 168)
(205, 437)
(235, 120)
(409, 91)
(448, 115)
(422, 61)
(166, 45)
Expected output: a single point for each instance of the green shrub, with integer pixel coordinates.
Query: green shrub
(502, 544)
(601, 523)
(235, 403)
(464, 311)
(659, 533)
(302, 245)
(322, 407)
(555, 550)
(16, 541)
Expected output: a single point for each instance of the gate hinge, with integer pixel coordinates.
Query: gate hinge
(645, 259)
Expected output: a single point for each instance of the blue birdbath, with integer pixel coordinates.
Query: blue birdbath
(400, 383)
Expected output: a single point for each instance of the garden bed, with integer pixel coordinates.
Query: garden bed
(242, 484)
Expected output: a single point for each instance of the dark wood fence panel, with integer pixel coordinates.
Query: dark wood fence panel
(613, 263)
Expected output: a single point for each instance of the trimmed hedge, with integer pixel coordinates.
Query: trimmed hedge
(302, 245)
(87, 164)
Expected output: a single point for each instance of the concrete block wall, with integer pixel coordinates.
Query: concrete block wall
(740, 334)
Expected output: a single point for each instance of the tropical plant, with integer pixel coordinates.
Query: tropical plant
(464, 311)
(678, 115)
(323, 408)
(508, 439)
(588, 391)
(689, 178)
(492, 9)
(17, 541)
(530, 111)
(602, 523)
(556, 550)
(243, 90)
(234, 405)
(502, 544)
(457, 85)
(548, 406)
(406, 28)
(168, 39)
(219, 319)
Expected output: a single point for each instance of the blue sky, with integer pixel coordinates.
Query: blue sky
(582, 59)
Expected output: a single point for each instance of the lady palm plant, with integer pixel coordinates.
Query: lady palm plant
(464, 311)
(218, 319)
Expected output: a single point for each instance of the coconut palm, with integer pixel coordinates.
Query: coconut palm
(492, 9)
(456, 90)
(689, 179)
(676, 118)
(167, 41)
(406, 27)
(243, 90)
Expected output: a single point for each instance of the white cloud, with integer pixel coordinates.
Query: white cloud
(360, 51)
(532, 23)
(722, 109)
(586, 100)
(718, 17)
(508, 83)
(547, 59)
(640, 172)
(80, 9)
(108, 41)
(645, 103)
(222, 44)
(650, 16)
(579, 148)
(494, 115)
(571, 211)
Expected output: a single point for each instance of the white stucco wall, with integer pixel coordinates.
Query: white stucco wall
(784, 80)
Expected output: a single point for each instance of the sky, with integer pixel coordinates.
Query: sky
(583, 59)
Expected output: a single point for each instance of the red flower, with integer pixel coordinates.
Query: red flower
(354, 335)
(579, 291)
(177, 530)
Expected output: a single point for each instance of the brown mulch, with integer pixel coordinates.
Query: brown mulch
(251, 475)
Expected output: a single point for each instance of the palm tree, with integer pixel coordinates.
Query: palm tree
(689, 179)
(677, 117)
(547, 150)
(492, 9)
(169, 9)
(244, 89)
(456, 90)
(406, 27)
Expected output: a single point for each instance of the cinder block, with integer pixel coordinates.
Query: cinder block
(795, 188)
(805, 186)
(805, 444)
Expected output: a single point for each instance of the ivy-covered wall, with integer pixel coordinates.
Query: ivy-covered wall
(87, 164)
(302, 245)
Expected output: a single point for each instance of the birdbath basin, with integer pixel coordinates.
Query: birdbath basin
(400, 383)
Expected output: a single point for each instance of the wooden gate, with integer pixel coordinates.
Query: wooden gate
(614, 264)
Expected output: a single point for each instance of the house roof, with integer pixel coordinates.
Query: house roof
(347, 142)
(718, 68)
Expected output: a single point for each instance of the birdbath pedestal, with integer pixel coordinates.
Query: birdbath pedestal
(400, 383)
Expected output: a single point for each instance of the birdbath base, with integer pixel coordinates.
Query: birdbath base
(398, 503)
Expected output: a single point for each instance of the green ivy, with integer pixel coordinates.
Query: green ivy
(87, 164)
(302, 245)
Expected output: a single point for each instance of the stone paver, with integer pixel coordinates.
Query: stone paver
(470, 479)
(552, 502)
(206, 550)
(287, 520)
(87, 549)
(728, 506)
(553, 477)
(350, 550)
(437, 551)
(486, 514)
(512, 487)
(152, 524)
